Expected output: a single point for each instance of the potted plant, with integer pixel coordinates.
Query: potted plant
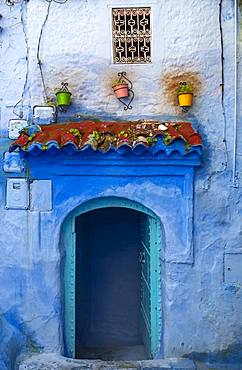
(63, 96)
(120, 88)
(185, 94)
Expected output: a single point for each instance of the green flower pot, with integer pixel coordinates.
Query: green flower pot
(63, 98)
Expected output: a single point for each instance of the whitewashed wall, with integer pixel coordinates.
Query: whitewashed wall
(188, 39)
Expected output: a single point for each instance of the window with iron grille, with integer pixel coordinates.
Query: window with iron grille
(131, 35)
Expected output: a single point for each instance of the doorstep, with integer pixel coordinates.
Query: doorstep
(55, 361)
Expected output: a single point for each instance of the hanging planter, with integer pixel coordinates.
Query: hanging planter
(185, 96)
(63, 97)
(122, 88)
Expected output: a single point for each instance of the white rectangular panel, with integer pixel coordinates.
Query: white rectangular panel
(17, 195)
(41, 195)
(44, 115)
(15, 126)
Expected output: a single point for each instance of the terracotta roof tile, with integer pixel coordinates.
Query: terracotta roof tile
(103, 136)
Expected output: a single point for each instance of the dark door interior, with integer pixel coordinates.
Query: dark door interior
(108, 284)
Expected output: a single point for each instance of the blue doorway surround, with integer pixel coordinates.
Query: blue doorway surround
(158, 178)
(151, 272)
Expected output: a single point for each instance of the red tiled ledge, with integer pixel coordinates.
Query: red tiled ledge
(105, 135)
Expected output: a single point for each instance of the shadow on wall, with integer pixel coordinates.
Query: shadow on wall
(15, 333)
(13, 340)
(231, 355)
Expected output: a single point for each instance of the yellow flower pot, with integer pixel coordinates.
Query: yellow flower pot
(185, 99)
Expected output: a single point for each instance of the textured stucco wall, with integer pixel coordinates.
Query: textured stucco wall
(76, 47)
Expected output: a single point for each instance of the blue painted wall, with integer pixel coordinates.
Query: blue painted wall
(202, 312)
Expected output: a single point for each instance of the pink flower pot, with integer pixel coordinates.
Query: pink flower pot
(121, 91)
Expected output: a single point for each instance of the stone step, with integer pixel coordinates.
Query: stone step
(218, 366)
(55, 361)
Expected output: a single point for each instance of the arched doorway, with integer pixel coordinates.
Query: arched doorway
(112, 280)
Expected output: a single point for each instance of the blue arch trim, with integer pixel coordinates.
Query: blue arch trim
(110, 201)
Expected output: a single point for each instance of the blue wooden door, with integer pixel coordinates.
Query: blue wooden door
(150, 277)
(69, 278)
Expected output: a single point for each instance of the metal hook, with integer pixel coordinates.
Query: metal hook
(122, 76)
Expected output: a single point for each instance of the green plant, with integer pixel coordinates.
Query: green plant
(50, 100)
(167, 138)
(96, 135)
(76, 132)
(123, 133)
(184, 88)
(151, 140)
(118, 81)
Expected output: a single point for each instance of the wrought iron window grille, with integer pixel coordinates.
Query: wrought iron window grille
(131, 29)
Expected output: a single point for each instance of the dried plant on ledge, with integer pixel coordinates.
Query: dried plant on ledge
(104, 136)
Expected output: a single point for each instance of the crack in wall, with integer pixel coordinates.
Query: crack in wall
(207, 182)
(26, 87)
(222, 85)
(38, 51)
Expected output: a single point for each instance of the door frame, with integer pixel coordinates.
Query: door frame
(69, 239)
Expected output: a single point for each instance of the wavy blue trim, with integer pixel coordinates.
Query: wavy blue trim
(178, 146)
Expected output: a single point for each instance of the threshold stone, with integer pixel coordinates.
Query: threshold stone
(55, 361)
